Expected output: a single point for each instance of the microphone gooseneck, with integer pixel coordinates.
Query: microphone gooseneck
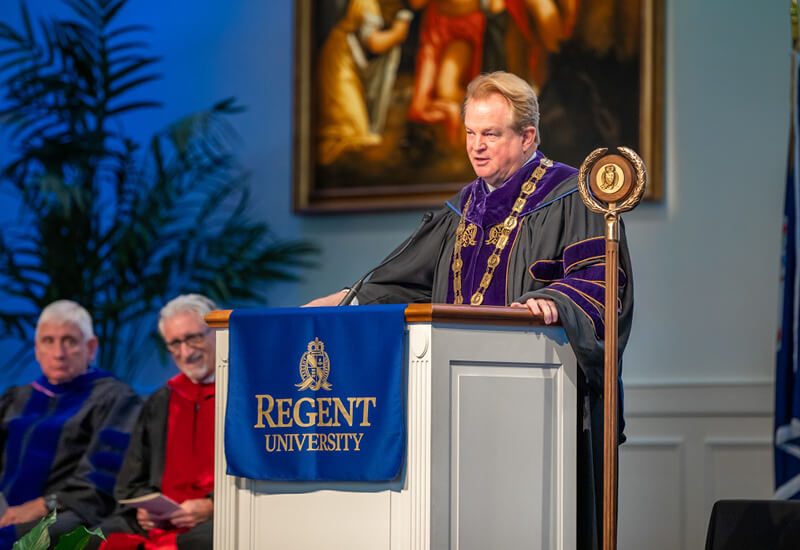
(427, 217)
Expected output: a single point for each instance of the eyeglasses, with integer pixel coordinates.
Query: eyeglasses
(195, 340)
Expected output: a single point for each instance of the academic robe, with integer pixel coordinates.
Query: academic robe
(172, 452)
(555, 252)
(64, 439)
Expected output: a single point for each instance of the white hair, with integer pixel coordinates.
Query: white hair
(67, 311)
(184, 303)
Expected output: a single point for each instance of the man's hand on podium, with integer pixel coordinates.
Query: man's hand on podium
(540, 307)
(327, 301)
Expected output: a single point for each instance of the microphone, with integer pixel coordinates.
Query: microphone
(428, 216)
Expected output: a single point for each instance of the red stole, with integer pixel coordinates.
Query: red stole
(189, 462)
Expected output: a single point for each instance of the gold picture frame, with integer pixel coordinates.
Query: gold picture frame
(600, 87)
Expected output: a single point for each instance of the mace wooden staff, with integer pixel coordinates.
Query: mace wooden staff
(610, 185)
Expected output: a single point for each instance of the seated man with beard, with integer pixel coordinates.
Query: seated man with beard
(172, 446)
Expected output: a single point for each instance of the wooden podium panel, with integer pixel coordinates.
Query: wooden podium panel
(490, 458)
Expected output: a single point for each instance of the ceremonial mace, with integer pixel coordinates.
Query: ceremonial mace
(611, 180)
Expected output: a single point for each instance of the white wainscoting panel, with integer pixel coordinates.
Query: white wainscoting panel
(652, 474)
(689, 446)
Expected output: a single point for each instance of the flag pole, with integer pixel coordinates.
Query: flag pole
(786, 464)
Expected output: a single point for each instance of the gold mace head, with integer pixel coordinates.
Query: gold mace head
(610, 184)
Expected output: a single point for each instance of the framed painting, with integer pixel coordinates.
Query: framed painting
(379, 86)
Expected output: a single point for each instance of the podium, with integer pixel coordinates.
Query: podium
(490, 454)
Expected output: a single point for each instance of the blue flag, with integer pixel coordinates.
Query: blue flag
(787, 381)
(316, 394)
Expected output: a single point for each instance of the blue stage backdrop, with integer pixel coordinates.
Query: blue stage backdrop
(316, 394)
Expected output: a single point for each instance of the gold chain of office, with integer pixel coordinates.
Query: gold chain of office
(508, 226)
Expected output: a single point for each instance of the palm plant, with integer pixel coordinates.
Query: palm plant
(118, 227)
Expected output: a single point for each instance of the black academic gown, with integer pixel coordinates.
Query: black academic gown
(68, 440)
(556, 223)
(142, 471)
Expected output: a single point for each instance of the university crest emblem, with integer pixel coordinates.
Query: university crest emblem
(315, 366)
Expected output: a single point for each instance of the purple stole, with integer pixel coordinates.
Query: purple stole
(485, 215)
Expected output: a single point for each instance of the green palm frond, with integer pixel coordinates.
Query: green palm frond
(116, 226)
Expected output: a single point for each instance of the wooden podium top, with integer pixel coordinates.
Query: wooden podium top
(438, 313)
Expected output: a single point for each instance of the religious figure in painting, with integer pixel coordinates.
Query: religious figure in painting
(534, 29)
(344, 121)
(449, 56)
(516, 35)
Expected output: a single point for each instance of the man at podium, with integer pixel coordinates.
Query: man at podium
(519, 236)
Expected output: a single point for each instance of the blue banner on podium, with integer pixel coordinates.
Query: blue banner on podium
(316, 394)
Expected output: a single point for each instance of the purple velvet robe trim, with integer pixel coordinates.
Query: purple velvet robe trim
(489, 209)
(593, 311)
(548, 271)
(585, 287)
(590, 249)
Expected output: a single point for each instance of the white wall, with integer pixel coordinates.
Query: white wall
(706, 263)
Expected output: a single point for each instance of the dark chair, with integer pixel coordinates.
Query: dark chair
(754, 525)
